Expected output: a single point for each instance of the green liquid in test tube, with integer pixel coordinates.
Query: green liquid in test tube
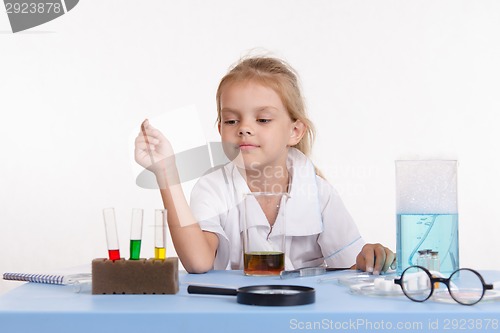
(136, 234)
(135, 249)
(160, 233)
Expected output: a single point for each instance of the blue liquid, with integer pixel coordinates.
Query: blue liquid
(438, 232)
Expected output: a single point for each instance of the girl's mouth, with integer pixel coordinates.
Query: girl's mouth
(247, 146)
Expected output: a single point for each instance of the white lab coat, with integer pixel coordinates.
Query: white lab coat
(319, 229)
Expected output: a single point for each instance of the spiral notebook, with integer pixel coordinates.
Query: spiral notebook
(49, 278)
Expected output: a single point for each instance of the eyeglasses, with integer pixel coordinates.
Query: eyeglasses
(465, 285)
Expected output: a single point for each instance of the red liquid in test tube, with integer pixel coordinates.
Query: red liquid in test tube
(111, 233)
(114, 254)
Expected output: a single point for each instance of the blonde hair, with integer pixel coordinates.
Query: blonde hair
(279, 76)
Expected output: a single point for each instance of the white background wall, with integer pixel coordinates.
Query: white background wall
(384, 80)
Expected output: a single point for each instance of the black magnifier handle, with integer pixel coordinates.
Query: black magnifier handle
(194, 289)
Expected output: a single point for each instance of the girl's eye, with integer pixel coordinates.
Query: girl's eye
(264, 120)
(229, 122)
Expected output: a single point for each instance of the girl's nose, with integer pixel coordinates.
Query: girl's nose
(245, 130)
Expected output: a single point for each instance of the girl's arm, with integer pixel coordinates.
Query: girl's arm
(195, 247)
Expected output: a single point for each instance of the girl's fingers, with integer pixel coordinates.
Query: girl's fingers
(142, 145)
(369, 261)
(375, 258)
(150, 139)
(365, 259)
(380, 257)
(389, 259)
(148, 129)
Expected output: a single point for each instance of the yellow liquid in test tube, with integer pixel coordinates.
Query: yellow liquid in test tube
(160, 253)
(160, 233)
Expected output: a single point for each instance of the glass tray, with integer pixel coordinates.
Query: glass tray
(368, 289)
(444, 296)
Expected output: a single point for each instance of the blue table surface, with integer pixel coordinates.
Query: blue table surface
(44, 307)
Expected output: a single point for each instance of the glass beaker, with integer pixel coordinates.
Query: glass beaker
(264, 233)
(427, 212)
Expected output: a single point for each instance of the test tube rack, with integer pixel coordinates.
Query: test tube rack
(143, 276)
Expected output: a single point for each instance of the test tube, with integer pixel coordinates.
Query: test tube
(111, 233)
(136, 234)
(160, 233)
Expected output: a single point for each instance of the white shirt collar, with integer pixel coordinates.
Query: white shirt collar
(303, 213)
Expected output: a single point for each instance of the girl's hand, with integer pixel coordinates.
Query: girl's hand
(152, 150)
(375, 258)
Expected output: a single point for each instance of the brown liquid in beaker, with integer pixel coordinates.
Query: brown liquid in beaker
(264, 263)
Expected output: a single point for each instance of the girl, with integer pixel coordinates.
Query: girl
(267, 137)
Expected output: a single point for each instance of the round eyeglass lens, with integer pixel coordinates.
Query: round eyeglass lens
(416, 284)
(466, 286)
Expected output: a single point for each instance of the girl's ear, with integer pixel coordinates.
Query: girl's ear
(218, 126)
(297, 133)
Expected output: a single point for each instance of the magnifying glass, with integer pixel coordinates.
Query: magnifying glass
(267, 295)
